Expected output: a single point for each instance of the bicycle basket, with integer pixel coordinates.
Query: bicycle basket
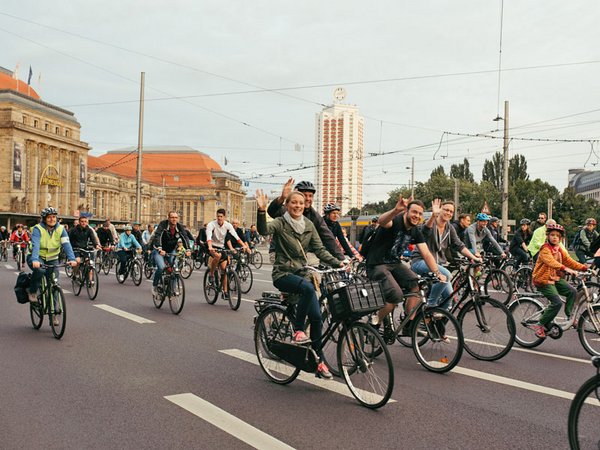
(302, 357)
(355, 300)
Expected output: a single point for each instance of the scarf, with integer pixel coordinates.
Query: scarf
(297, 225)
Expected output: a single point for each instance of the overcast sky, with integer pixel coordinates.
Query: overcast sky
(90, 55)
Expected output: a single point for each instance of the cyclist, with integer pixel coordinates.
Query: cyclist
(105, 236)
(538, 238)
(276, 209)
(137, 233)
(4, 237)
(295, 235)
(252, 235)
(147, 234)
(540, 222)
(19, 238)
(399, 227)
(127, 242)
(440, 236)
(231, 242)
(366, 232)
(216, 232)
(552, 262)
(331, 215)
(164, 242)
(82, 237)
(518, 244)
(587, 235)
(493, 227)
(47, 238)
(477, 232)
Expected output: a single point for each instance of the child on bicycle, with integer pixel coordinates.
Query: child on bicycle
(552, 263)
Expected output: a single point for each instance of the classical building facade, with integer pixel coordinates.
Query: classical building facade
(585, 182)
(339, 155)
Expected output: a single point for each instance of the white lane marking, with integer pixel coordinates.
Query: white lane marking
(330, 385)
(226, 422)
(8, 266)
(519, 384)
(124, 314)
(17, 273)
(248, 300)
(262, 281)
(66, 291)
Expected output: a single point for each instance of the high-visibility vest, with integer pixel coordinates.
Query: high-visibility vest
(50, 243)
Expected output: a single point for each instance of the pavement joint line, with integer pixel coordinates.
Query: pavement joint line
(330, 385)
(226, 422)
(124, 314)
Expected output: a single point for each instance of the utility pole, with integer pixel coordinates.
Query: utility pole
(412, 178)
(456, 205)
(138, 190)
(505, 176)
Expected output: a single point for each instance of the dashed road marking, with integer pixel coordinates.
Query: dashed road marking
(124, 314)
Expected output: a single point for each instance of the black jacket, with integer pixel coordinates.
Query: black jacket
(336, 230)
(82, 237)
(162, 238)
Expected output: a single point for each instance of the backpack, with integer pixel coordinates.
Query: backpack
(577, 241)
(595, 245)
(368, 242)
(23, 282)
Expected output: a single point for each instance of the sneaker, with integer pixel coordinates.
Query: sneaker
(154, 291)
(55, 321)
(539, 330)
(323, 372)
(226, 295)
(407, 329)
(211, 280)
(32, 297)
(300, 337)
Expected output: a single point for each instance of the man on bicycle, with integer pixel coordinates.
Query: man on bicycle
(587, 235)
(105, 236)
(19, 238)
(216, 232)
(127, 242)
(4, 237)
(479, 232)
(232, 243)
(82, 237)
(46, 240)
(164, 242)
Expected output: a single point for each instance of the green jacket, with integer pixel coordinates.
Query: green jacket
(291, 247)
(538, 239)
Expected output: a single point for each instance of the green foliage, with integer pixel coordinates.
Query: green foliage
(462, 171)
(439, 170)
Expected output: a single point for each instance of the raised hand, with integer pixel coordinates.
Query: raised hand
(436, 206)
(287, 188)
(261, 199)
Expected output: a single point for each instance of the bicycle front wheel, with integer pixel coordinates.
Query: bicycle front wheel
(235, 290)
(176, 294)
(58, 313)
(498, 286)
(211, 290)
(584, 416)
(488, 329)
(369, 378)
(437, 340)
(91, 283)
(187, 268)
(136, 272)
(106, 264)
(36, 312)
(76, 284)
(246, 278)
(522, 280)
(589, 335)
(273, 325)
(256, 260)
(148, 270)
(526, 312)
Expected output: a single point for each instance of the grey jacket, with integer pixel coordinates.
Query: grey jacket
(439, 243)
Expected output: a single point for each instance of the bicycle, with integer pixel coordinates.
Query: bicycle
(244, 271)
(86, 275)
(200, 257)
(256, 258)
(4, 250)
(20, 255)
(496, 282)
(106, 259)
(50, 302)
(212, 288)
(583, 413)
(186, 265)
(170, 286)
(370, 380)
(585, 318)
(149, 265)
(133, 267)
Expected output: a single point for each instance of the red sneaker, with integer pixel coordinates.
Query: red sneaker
(539, 330)
(323, 372)
(300, 337)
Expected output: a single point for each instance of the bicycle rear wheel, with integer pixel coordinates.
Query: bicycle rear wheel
(369, 378)
(498, 286)
(106, 263)
(273, 324)
(584, 416)
(522, 280)
(526, 312)
(246, 278)
(488, 329)
(443, 346)
(57, 313)
(76, 283)
(186, 268)
(589, 336)
(256, 260)
(211, 290)
(176, 294)
(235, 289)
(91, 283)
(136, 272)
(148, 270)
(36, 311)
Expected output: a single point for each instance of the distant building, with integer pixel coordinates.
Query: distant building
(585, 182)
(339, 155)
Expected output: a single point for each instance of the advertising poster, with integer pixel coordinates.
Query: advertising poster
(81, 178)
(17, 165)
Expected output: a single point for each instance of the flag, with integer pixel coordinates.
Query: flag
(30, 75)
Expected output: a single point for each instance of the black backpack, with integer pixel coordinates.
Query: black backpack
(23, 282)
(594, 246)
(576, 243)
(368, 242)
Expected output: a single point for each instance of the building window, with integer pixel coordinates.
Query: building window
(195, 223)
(46, 126)
(57, 130)
(24, 120)
(35, 123)
(102, 200)
(188, 215)
(66, 133)
(95, 202)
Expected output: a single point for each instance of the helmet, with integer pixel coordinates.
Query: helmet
(525, 222)
(330, 207)
(49, 211)
(555, 227)
(136, 223)
(105, 224)
(128, 228)
(591, 220)
(2, 228)
(494, 219)
(482, 216)
(375, 219)
(305, 186)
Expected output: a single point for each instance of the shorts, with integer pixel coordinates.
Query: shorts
(393, 278)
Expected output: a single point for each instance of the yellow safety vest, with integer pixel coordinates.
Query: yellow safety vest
(50, 243)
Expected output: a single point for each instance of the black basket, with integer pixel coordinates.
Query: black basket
(355, 300)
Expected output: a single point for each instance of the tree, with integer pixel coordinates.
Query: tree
(462, 171)
(353, 212)
(571, 209)
(492, 170)
(517, 169)
(439, 170)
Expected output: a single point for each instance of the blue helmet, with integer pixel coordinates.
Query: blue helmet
(482, 216)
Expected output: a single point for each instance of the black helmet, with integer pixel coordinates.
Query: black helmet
(330, 207)
(525, 222)
(305, 186)
(49, 211)
(494, 219)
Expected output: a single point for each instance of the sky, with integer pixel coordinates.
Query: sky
(243, 80)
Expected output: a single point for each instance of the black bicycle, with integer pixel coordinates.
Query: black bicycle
(86, 275)
(20, 255)
(170, 286)
(244, 271)
(50, 302)
(213, 287)
(584, 414)
(133, 267)
(256, 258)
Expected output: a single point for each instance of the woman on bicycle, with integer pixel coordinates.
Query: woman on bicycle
(294, 237)
(125, 246)
(553, 261)
(331, 215)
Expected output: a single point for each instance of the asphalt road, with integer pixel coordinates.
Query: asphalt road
(191, 381)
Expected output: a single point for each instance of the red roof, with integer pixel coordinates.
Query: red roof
(8, 82)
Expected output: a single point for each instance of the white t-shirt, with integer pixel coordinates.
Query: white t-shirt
(216, 233)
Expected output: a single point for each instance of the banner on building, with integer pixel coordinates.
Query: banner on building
(81, 178)
(17, 165)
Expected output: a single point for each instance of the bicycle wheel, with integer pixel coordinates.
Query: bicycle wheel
(76, 283)
(488, 328)
(36, 311)
(136, 272)
(256, 260)
(370, 379)
(583, 416)
(498, 286)
(159, 298)
(526, 312)
(589, 336)
(176, 294)
(398, 317)
(120, 278)
(57, 313)
(106, 263)
(593, 290)
(273, 324)
(211, 290)
(522, 280)
(148, 270)
(329, 347)
(443, 346)
(235, 290)
(19, 262)
(246, 278)
(91, 283)
(186, 268)
(198, 262)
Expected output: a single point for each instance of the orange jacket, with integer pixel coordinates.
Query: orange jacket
(550, 264)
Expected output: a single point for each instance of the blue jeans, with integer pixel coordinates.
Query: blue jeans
(37, 274)
(159, 261)
(308, 305)
(439, 291)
